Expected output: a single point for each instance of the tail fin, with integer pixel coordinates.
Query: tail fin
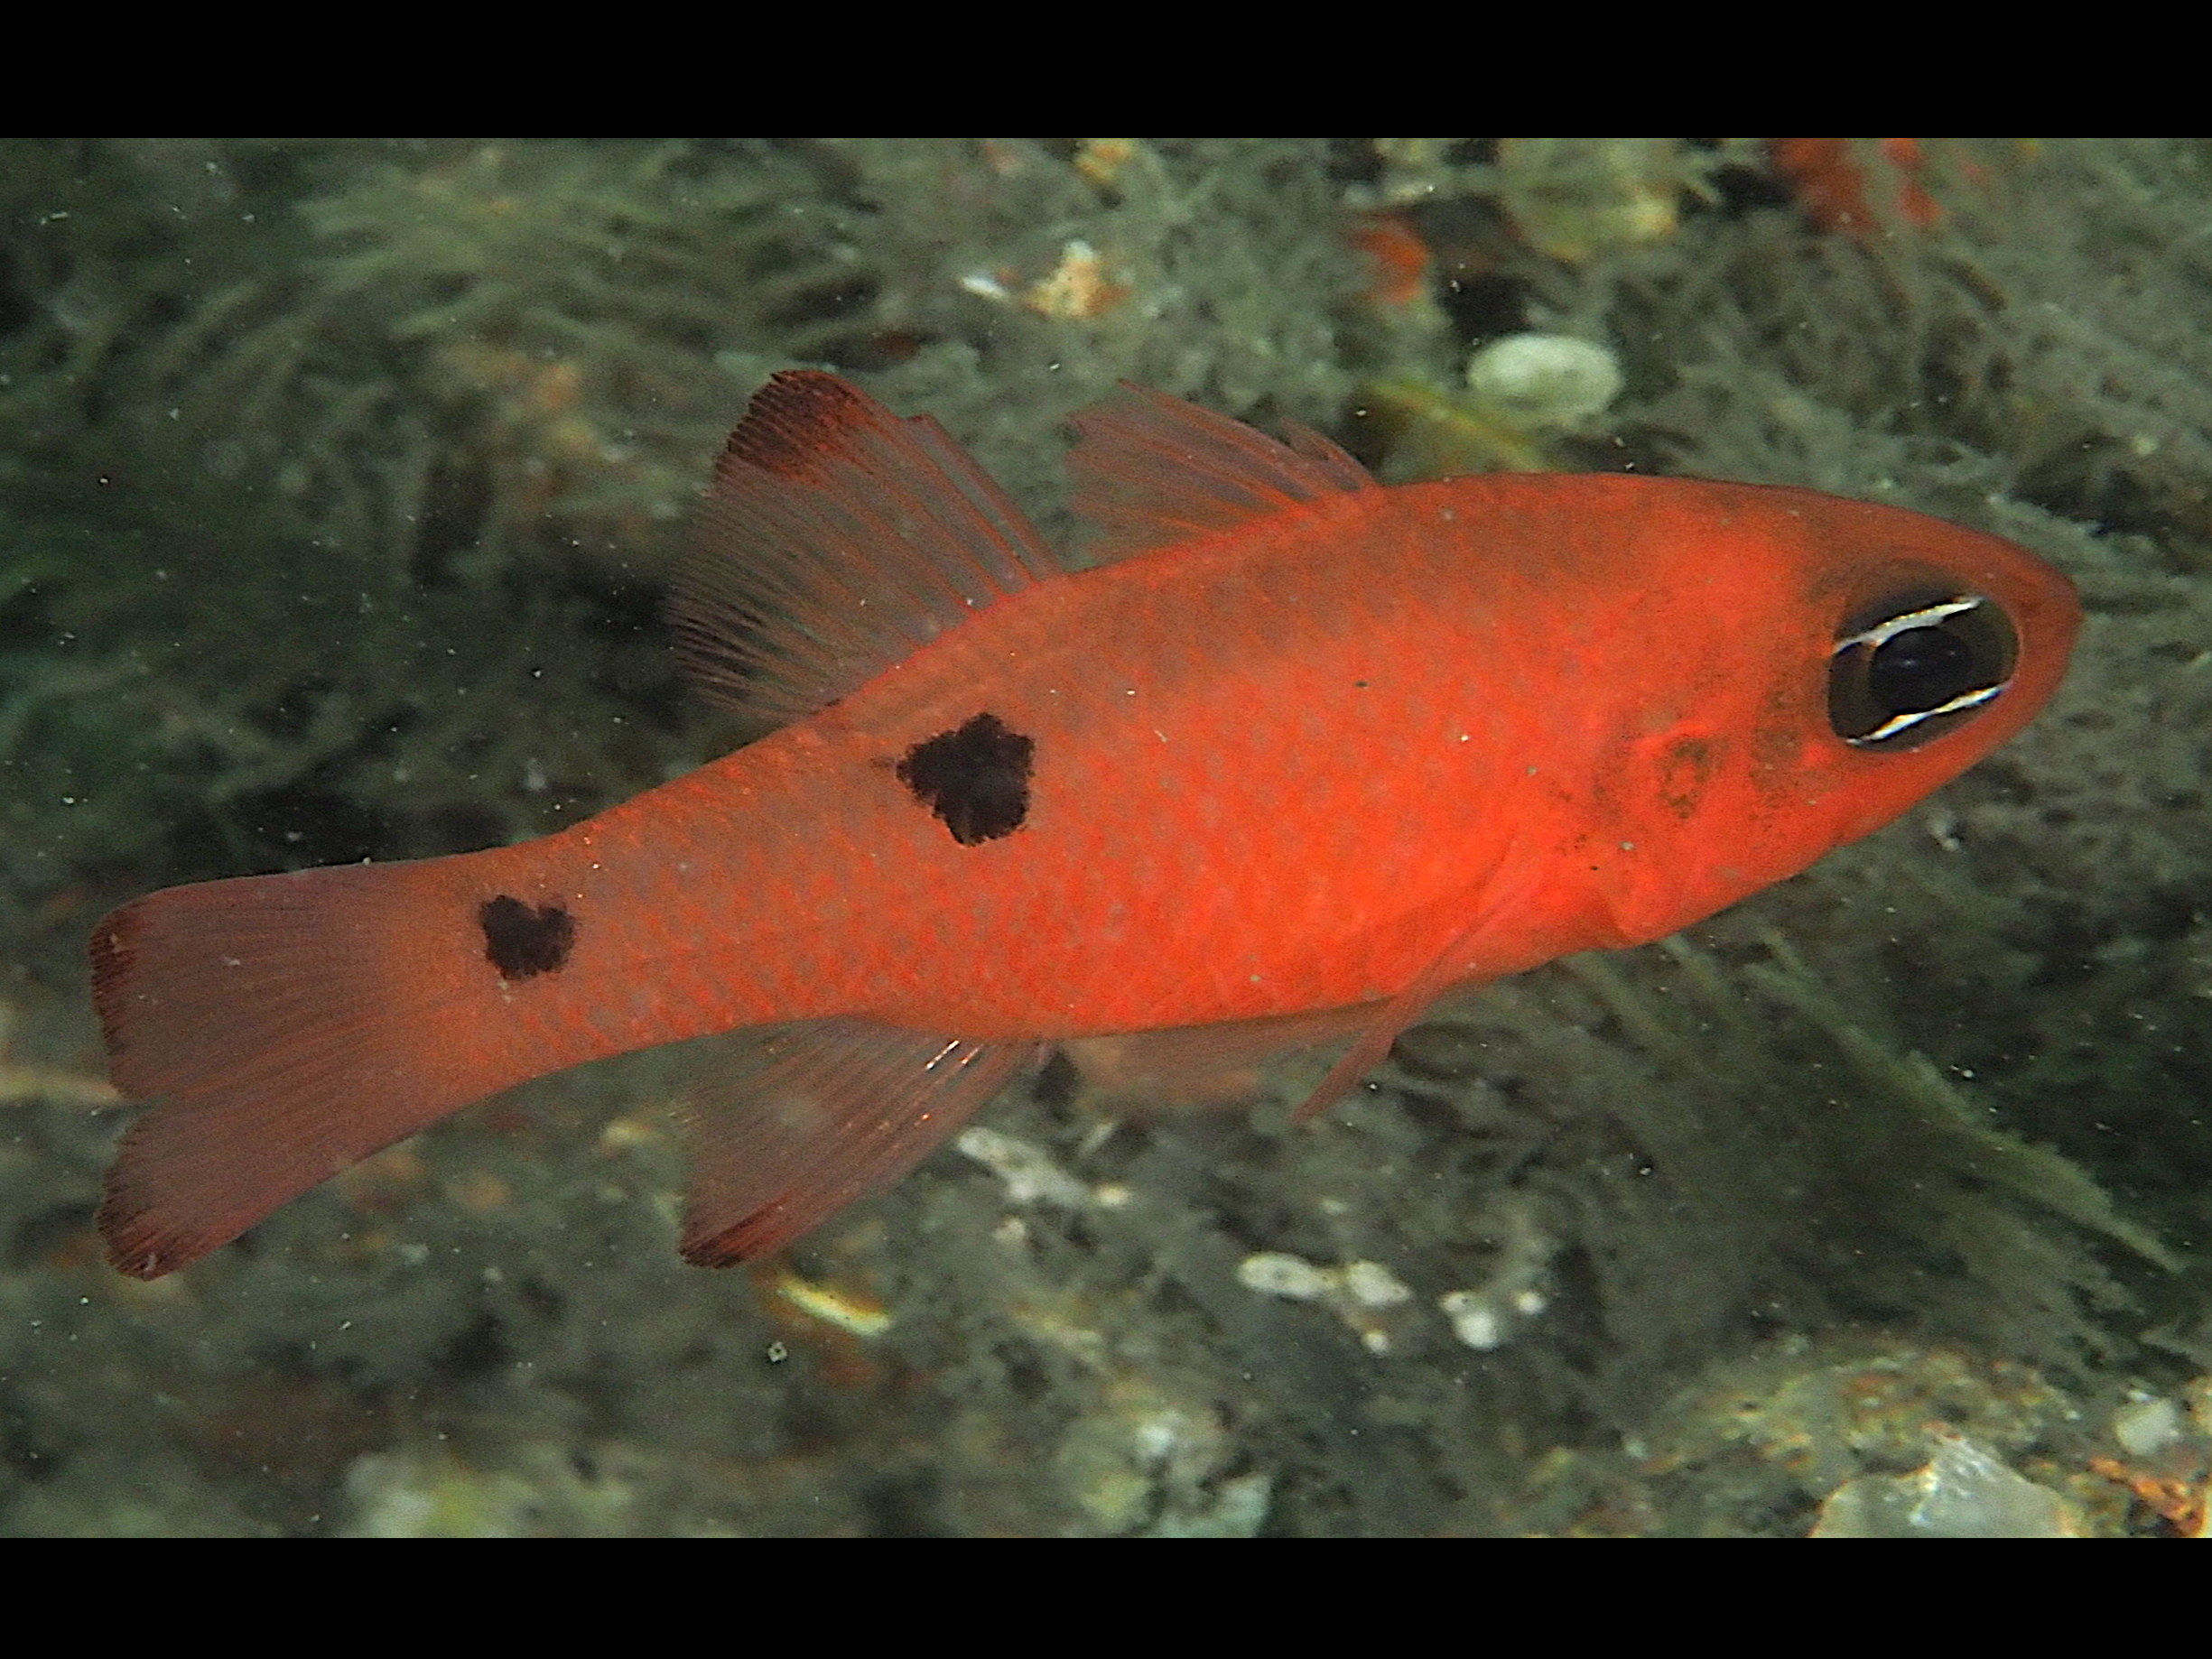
(286, 1026)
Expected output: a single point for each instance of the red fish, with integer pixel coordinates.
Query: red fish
(1302, 753)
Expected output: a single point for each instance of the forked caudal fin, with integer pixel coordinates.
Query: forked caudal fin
(287, 1026)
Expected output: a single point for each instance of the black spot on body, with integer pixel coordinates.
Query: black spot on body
(975, 778)
(521, 941)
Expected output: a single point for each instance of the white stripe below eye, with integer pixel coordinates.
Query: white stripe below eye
(1927, 617)
(1898, 723)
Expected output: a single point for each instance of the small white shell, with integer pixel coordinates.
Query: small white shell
(1545, 379)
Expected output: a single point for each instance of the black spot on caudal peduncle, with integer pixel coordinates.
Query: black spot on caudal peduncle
(974, 778)
(521, 941)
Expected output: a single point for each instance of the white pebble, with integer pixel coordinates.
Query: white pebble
(1273, 1274)
(1030, 1175)
(1474, 1321)
(1373, 1285)
(2146, 1427)
(1545, 379)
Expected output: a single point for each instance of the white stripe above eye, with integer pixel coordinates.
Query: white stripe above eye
(1927, 617)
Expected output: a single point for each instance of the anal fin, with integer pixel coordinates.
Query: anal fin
(807, 1118)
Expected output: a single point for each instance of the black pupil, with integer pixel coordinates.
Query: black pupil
(1919, 670)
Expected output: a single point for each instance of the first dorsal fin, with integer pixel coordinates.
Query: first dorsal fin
(1150, 469)
(834, 539)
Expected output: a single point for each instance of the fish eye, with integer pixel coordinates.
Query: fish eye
(1915, 664)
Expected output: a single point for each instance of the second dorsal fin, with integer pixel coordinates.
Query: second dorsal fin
(834, 539)
(1149, 470)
